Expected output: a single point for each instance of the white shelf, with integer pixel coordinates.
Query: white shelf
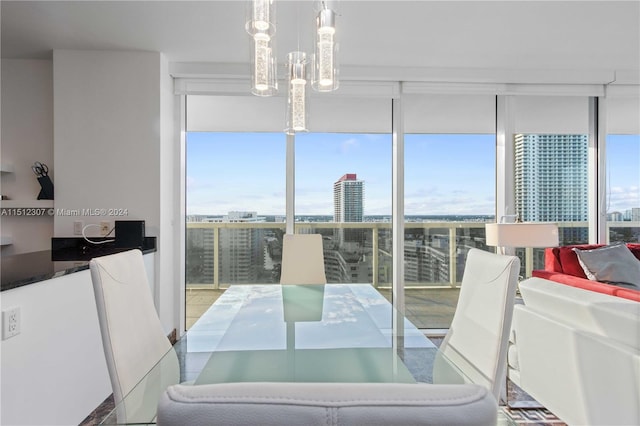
(6, 168)
(5, 241)
(42, 204)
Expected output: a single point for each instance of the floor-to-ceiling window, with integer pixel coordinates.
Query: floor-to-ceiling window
(238, 211)
(236, 191)
(449, 194)
(551, 163)
(343, 186)
(623, 168)
(235, 197)
(623, 188)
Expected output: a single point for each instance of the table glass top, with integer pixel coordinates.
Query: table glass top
(250, 317)
(311, 333)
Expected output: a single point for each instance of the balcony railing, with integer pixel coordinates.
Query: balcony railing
(224, 253)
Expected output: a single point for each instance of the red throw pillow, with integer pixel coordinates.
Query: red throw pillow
(569, 259)
(635, 249)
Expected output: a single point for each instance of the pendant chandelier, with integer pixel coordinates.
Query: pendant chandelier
(325, 68)
(296, 120)
(261, 27)
(260, 24)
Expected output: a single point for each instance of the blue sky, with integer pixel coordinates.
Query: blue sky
(623, 165)
(444, 174)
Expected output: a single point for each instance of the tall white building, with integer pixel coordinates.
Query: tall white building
(346, 262)
(348, 199)
(551, 177)
(551, 181)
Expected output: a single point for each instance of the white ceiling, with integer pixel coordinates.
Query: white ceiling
(555, 40)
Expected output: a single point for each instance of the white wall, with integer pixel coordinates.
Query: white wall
(113, 141)
(109, 130)
(107, 135)
(54, 371)
(27, 136)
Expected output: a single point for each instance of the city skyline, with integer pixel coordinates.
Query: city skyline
(246, 172)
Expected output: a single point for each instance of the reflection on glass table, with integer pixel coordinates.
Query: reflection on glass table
(289, 333)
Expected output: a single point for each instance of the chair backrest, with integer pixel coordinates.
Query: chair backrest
(302, 259)
(477, 340)
(132, 334)
(346, 404)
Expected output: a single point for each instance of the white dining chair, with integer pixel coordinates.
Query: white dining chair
(302, 259)
(477, 341)
(132, 335)
(329, 404)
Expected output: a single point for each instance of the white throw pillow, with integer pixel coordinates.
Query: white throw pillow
(614, 264)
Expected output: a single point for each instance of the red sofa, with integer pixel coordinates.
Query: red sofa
(562, 266)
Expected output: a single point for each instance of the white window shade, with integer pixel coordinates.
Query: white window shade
(551, 114)
(443, 113)
(623, 115)
(349, 115)
(254, 114)
(235, 114)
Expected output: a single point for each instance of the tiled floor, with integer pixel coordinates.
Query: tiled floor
(426, 308)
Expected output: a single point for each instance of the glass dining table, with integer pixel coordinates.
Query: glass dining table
(293, 333)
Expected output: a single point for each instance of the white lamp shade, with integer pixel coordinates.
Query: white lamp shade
(523, 234)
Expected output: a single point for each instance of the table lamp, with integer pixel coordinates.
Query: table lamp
(522, 234)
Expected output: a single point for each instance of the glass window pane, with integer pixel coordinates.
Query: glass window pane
(344, 181)
(623, 188)
(449, 195)
(623, 164)
(235, 204)
(551, 169)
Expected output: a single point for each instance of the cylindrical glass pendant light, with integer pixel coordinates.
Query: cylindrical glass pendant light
(261, 17)
(325, 66)
(264, 81)
(297, 98)
(261, 26)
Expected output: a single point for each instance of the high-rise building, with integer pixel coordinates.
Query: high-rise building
(551, 179)
(348, 197)
(345, 261)
(241, 249)
(241, 255)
